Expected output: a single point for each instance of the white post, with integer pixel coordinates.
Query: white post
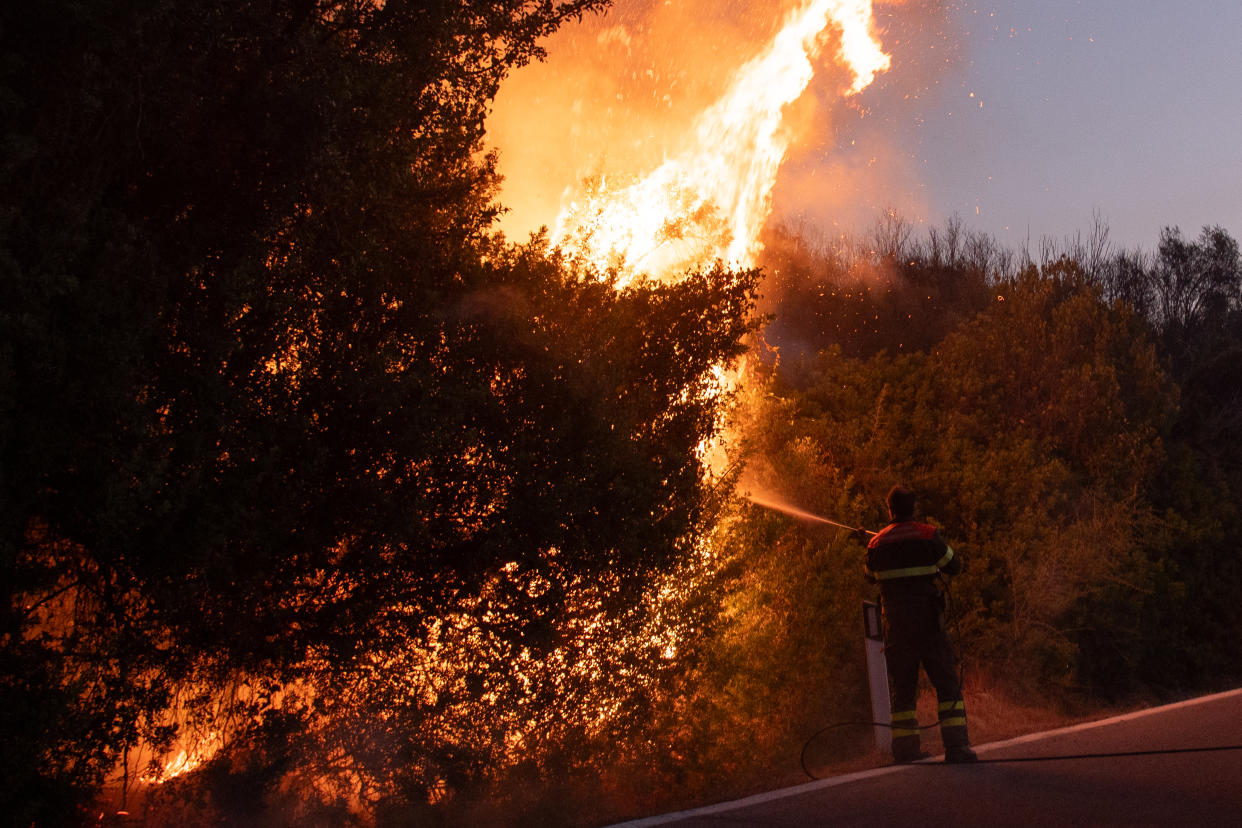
(877, 673)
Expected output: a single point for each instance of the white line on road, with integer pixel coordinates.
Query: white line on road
(833, 781)
(1125, 717)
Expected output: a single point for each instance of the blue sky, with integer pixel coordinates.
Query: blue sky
(1043, 112)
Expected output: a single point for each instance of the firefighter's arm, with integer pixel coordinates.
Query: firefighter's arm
(950, 562)
(868, 572)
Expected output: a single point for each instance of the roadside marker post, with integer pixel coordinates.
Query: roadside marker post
(877, 674)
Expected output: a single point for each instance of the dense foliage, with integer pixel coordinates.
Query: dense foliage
(1071, 425)
(300, 467)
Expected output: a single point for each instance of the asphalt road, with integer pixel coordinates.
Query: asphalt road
(1184, 769)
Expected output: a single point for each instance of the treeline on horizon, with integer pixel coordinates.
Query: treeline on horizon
(387, 520)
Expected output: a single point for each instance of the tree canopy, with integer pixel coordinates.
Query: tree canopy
(281, 416)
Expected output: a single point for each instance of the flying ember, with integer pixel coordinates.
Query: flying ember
(710, 200)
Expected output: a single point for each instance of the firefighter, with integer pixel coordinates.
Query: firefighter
(906, 559)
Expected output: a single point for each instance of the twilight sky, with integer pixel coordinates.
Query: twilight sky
(1023, 117)
(1044, 111)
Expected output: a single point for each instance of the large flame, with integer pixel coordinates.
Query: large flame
(710, 201)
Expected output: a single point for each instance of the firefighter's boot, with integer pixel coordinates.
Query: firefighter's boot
(906, 737)
(959, 756)
(953, 732)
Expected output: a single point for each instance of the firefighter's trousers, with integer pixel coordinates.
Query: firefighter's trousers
(914, 637)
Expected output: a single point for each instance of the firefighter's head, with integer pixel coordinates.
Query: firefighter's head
(901, 503)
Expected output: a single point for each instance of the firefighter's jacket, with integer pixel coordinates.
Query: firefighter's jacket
(905, 557)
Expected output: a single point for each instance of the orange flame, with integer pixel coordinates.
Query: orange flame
(187, 759)
(711, 200)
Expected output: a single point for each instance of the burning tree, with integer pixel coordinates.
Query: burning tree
(284, 428)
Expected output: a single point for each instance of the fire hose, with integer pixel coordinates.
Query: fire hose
(952, 614)
(860, 532)
(1010, 759)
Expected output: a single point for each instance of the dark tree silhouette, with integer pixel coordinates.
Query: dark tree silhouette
(277, 412)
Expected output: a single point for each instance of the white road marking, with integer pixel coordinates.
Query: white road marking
(833, 781)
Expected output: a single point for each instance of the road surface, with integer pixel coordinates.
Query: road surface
(1184, 768)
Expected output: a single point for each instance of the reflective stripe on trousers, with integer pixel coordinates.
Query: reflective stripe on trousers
(953, 713)
(953, 723)
(905, 723)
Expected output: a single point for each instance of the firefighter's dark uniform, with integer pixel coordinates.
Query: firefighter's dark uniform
(905, 558)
